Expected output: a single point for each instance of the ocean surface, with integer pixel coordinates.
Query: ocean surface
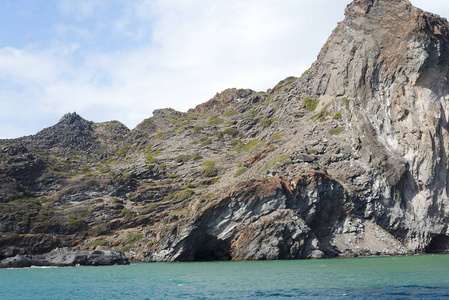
(409, 277)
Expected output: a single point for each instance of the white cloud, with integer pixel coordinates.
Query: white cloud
(81, 9)
(440, 7)
(188, 51)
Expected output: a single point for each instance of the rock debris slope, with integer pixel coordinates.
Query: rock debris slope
(349, 159)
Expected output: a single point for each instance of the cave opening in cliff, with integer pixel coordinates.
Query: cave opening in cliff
(211, 249)
(438, 244)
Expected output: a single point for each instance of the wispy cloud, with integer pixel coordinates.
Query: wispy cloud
(123, 59)
(81, 9)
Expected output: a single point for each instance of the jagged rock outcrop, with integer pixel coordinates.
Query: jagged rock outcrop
(390, 60)
(349, 159)
(66, 258)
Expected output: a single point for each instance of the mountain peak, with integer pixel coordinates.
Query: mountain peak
(359, 8)
(70, 118)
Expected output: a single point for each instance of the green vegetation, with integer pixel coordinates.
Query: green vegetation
(346, 102)
(232, 131)
(197, 129)
(190, 185)
(173, 176)
(92, 182)
(211, 170)
(276, 137)
(278, 159)
(132, 238)
(218, 134)
(183, 158)
(310, 103)
(207, 196)
(267, 122)
(336, 130)
(179, 129)
(204, 141)
(127, 214)
(161, 134)
(311, 151)
(183, 195)
(101, 242)
(252, 112)
(74, 222)
(337, 116)
(231, 113)
(215, 120)
(123, 150)
(236, 143)
(112, 127)
(177, 213)
(102, 229)
(321, 116)
(239, 172)
(150, 159)
(240, 146)
(4, 158)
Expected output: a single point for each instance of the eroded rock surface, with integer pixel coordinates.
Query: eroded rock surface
(349, 159)
(66, 258)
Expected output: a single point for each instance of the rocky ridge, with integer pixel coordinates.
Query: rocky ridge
(347, 160)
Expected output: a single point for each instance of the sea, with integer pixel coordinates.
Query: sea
(406, 277)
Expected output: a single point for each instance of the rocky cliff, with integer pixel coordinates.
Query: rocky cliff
(349, 159)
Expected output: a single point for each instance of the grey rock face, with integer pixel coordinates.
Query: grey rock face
(390, 61)
(348, 160)
(67, 258)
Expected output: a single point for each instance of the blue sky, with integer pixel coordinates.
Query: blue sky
(121, 59)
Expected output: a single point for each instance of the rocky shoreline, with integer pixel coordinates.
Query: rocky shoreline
(66, 258)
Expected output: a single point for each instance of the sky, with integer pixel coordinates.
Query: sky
(122, 59)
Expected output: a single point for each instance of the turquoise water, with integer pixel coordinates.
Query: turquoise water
(412, 277)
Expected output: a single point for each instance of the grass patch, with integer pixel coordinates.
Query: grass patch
(276, 137)
(182, 158)
(310, 103)
(98, 243)
(240, 172)
(211, 170)
(205, 141)
(177, 213)
(321, 116)
(132, 238)
(337, 116)
(252, 113)
(127, 214)
(267, 122)
(74, 222)
(278, 159)
(240, 146)
(197, 129)
(92, 182)
(184, 195)
(346, 102)
(215, 120)
(150, 159)
(336, 130)
(231, 131)
(101, 229)
(231, 113)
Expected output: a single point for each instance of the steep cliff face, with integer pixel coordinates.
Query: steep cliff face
(349, 159)
(390, 60)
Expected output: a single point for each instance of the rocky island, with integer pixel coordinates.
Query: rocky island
(350, 159)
